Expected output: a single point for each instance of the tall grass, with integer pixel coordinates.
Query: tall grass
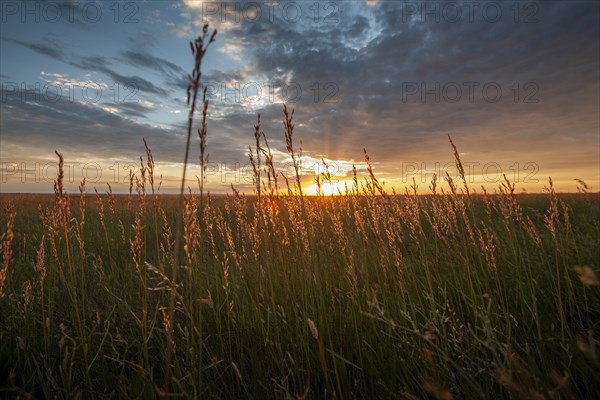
(281, 295)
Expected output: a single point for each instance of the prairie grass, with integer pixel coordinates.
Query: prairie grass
(281, 295)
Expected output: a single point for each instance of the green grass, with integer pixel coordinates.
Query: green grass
(404, 301)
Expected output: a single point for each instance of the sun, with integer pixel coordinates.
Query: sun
(336, 188)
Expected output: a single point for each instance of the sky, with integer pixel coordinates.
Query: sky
(515, 85)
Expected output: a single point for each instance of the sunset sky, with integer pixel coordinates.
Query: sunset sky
(515, 84)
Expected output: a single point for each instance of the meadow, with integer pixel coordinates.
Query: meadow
(365, 295)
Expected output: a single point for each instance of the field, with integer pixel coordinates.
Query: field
(364, 295)
(368, 294)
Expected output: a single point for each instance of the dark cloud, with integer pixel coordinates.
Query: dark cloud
(91, 63)
(80, 128)
(100, 64)
(49, 47)
(135, 81)
(145, 60)
(372, 56)
(133, 109)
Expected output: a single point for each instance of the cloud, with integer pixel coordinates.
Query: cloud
(134, 109)
(374, 55)
(377, 74)
(93, 130)
(100, 64)
(49, 47)
(79, 128)
(145, 60)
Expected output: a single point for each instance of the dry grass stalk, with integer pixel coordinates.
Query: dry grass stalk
(255, 162)
(202, 135)
(289, 142)
(487, 244)
(552, 218)
(433, 186)
(191, 236)
(101, 214)
(166, 245)
(373, 185)
(137, 244)
(459, 166)
(40, 268)
(313, 329)
(199, 48)
(582, 187)
(61, 215)
(532, 231)
(271, 173)
(79, 226)
(149, 165)
(131, 180)
(587, 276)
(111, 199)
(6, 239)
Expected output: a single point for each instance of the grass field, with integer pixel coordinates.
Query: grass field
(365, 295)
(355, 296)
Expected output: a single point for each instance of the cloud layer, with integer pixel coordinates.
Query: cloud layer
(510, 85)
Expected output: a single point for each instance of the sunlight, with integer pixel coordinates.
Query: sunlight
(327, 189)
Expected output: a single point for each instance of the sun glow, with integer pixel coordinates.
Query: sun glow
(335, 188)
